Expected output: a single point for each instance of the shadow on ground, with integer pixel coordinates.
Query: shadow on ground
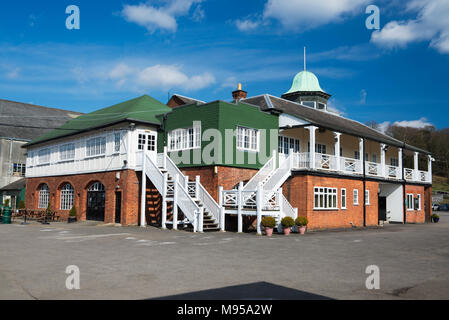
(252, 291)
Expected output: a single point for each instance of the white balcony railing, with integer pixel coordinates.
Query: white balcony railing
(350, 166)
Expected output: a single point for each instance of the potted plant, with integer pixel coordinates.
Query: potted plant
(301, 223)
(287, 224)
(72, 215)
(435, 218)
(269, 223)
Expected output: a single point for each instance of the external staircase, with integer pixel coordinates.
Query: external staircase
(262, 195)
(185, 203)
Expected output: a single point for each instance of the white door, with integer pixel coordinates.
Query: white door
(147, 140)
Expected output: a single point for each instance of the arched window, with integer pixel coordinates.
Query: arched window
(67, 197)
(97, 187)
(44, 196)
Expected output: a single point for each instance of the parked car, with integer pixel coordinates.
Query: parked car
(444, 207)
(435, 207)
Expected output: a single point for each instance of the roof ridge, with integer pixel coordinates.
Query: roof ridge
(39, 106)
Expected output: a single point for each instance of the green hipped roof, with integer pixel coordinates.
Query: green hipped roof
(305, 81)
(144, 109)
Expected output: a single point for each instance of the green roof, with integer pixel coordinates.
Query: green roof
(142, 109)
(305, 81)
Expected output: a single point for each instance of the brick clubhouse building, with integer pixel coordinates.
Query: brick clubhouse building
(143, 162)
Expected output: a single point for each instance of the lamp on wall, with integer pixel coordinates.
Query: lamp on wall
(132, 126)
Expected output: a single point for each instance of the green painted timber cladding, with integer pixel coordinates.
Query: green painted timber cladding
(221, 116)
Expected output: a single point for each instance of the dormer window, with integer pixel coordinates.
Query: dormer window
(310, 104)
(321, 106)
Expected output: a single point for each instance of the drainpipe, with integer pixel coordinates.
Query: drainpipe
(10, 168)
(364, 183)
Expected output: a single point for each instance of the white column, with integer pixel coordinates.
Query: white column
(312, 142)
(164, 165)
(197, 186)
(383, 167)
(362, 154)
(429, 168)
(401, 167)
(337, 136)
(259, 199)
(239, 208)
(175, 203)
(416, 166)
(143, 204)
(164, 202)
(222, 209)
(201, 220)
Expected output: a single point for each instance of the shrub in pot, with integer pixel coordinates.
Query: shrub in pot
(72, 215)
(287, 224)
(269, 223)
(435, 218)
(301, 223)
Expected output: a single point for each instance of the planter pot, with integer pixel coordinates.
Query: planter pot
(435, 220)
(269, 231)
(71, 220)
(287, 231)
(302, 230)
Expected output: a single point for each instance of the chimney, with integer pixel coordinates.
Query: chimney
(239, 94)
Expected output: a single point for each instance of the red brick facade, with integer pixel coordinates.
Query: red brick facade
(298, 189)
(417, 216)
(126, 182)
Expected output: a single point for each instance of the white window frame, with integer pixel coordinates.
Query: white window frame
(117, 142)
(367, 199)
(184, 139)
(44, 156)
(67, 152)
(314, 104)
(44, 197)
(343, 195)
(326, 197)
(286, 143)
(317, 106)
(355, 197)
(67, 197)
(410, 202)
(97, 145)
(18, 170)
(419, 202)
(248, 139)
(394, 162)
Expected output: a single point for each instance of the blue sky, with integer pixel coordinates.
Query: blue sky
(203, 48)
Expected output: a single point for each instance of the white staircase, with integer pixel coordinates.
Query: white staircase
(200, 210)
(262, 195)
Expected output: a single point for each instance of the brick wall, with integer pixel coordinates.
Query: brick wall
(226, 177)
(299, 190)
(416, 216)
(128, 185)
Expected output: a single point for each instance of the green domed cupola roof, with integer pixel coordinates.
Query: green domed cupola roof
(305, 81)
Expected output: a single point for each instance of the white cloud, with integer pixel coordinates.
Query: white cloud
(247, 24)
(382, 127)
(431, 24)
(163, 17)
(120, 71)
(13, 74)
(170, 76)
(306, 14)
(363, 96)
(421, 123)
